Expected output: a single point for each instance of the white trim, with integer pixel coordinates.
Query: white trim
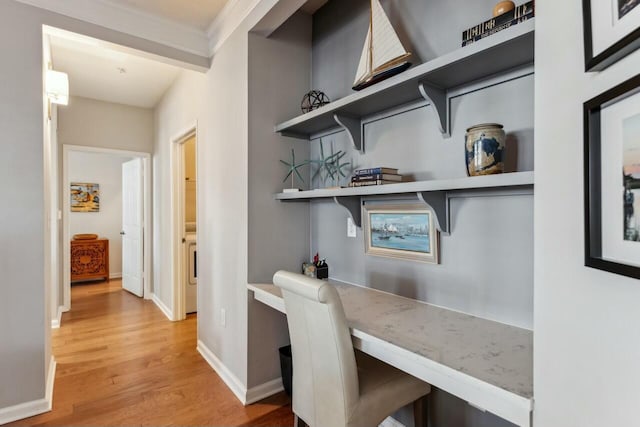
(234, 384)
(262, 391)
(57, 321)
(227, 21)
(158, 302)
(34, 407)
(176, 219)
(130, 21)
(391, 422)
(51, 379)
(66, 238)
(115, 276)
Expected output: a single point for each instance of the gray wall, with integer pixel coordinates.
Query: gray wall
(428, 29)
(22, 293)
(93, 123)
(486, 266)
(279, 233)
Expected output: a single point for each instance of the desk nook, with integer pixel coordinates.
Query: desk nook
(460, 319)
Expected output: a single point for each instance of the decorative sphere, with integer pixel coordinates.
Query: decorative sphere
(503, 7)
(314, 100)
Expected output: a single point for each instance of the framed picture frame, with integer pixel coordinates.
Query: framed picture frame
(85, 197)
(401, 231)
(611, 31)
(612, 198)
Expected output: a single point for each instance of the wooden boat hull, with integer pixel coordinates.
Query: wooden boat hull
(383, 75)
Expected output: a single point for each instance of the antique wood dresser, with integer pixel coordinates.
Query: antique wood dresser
(89, 259)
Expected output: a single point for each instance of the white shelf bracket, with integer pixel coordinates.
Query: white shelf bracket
(353, 127)
(438, 201)
(354, 205)
(439, 102)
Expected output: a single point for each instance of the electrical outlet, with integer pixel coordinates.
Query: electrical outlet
(223, 317)
(351, 228)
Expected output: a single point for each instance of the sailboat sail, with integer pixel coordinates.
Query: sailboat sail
(365, 59)
(386, 44)
(382, 51)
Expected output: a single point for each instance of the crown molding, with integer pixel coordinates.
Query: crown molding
(131, 21)
(229, 18)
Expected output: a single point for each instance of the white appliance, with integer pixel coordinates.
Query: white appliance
(191, 272)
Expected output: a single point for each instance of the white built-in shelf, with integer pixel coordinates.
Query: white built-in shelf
(499, 53)
(434, 193)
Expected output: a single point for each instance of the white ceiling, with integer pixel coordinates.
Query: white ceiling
(197, 14)
(95, 71)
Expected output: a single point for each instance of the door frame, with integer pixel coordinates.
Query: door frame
(66, 207)
(177, 220)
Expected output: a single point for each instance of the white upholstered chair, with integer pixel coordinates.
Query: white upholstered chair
(333, 385)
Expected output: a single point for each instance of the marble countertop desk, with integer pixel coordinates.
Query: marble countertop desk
(486, 363)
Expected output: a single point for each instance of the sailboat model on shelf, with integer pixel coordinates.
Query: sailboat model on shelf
(383, 55)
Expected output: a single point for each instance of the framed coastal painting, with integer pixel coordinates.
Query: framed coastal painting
(401, 231)
(85, 197)
(612, 180)
(611, 31)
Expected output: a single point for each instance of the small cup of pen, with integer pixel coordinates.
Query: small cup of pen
(318, 269)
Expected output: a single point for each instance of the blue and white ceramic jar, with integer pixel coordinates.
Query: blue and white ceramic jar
(484, 146)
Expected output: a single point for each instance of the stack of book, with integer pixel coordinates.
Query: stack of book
(375, 176)
(498, 23)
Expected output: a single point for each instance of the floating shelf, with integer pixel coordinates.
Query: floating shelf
(503, 51)
(434, 193)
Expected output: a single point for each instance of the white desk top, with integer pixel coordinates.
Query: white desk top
(487, 363)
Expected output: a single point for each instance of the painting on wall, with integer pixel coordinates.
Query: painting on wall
(631, 177)
(612, 180)
(611, 31)
(85, 197)
(401, 231)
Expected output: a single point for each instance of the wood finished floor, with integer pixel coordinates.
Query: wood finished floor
(122, 363)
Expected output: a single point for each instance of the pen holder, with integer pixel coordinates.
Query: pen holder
(311, 270)
(322, 273)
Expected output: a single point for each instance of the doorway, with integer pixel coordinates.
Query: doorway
(106, 193)
(184, 223)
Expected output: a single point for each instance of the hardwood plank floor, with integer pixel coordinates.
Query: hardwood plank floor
(122, 363)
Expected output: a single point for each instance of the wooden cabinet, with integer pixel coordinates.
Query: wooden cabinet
(89, 259)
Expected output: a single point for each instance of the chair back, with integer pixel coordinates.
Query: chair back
(325, 375)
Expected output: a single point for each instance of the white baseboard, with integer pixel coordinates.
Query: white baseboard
(255, 394)
(234, 384)
(247, 397)
(391, 422)
(55, 323)
(115, 276)
(35, 407)
(161, 306)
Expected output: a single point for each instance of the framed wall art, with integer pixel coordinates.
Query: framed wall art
(611, 31)
(612, 180)
(85, 197)
(401, 231)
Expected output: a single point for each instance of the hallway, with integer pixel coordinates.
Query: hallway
(121, 362)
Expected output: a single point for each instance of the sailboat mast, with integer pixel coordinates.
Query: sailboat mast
(371, 39)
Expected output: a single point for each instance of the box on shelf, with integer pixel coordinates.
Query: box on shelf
(498, 23)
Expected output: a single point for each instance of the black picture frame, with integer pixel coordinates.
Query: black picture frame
(613, 53)
(593, 178)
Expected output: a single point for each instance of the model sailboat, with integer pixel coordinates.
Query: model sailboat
(383, 55)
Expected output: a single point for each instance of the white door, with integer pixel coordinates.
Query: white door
(132, 226)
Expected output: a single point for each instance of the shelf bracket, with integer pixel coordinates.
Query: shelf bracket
(439, 102)
(353, 127)
(438, 201)
(353, 205)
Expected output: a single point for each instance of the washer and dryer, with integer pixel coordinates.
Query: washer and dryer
(191, 272)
